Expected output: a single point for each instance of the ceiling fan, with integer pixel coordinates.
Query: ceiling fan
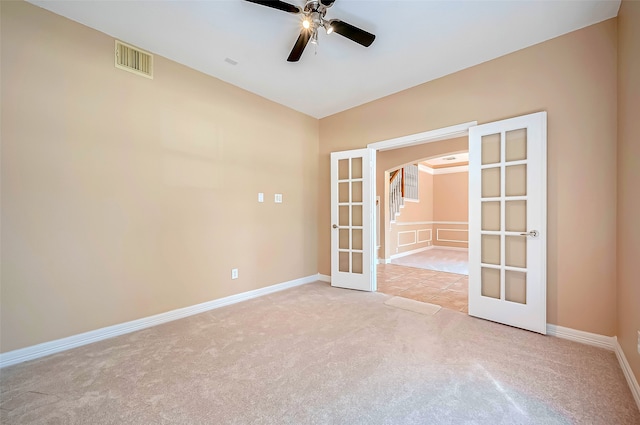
(313, 19)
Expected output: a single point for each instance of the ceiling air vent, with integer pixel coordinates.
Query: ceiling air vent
(134, 60)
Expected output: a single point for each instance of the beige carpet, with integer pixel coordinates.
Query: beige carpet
(413, 305)
(320, 355)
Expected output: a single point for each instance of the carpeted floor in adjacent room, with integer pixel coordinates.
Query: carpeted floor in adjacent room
(321, 355)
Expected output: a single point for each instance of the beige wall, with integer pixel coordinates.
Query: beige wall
(573, 78)
(451, 203)
(123, 197)
(629, 181)
(451, 197)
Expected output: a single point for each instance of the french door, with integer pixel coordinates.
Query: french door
(352, 219)
(507, 222)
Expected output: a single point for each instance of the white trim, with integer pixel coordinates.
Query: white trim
(51, 347)
(415, 201)
(444, 170)
(451, 248)
(411, 223)
(414, 251)
(626, 370)
(451, 170)
(407, 244)
(425, 169)
(451, 132)
(424, 240)
(324, 278)
(607, 342)
(384, 260)
(451, 240)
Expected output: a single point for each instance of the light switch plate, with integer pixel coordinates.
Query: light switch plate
(234, 273)
(260, 197)
(278, 198)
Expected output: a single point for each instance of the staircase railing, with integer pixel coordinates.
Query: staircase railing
(403, 183)
(396, 189)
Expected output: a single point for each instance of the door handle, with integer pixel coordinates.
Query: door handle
(335, 226)
(532, 233)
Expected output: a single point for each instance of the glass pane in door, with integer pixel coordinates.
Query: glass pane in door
(356, 168)
(490, 282)
(343, 263)
(516, 180)
(343, 242)
(491, 249)
(515, 286)
(356, 191)
(491, 182)
(516, 216)
(491, 216)
(343, 169)
(357, 215)
(516, 146)
(343, 192)
(491, 149)
(357, 262)
(343, 215)
(356, 238)
(516, 251)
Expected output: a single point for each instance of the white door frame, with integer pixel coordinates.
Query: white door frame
(459, 130)
(451, 132)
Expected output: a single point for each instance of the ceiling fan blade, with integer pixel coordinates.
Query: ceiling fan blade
(277, 4)
(352, 33)
(327, 3)
(298, 48)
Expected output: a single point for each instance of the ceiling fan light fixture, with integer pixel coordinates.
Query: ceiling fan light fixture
(329, 28)
(306, 23)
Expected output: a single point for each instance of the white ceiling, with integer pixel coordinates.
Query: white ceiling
(416, 41)
(447, 160)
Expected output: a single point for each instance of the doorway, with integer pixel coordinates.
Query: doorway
(507, 216)
(426, 228)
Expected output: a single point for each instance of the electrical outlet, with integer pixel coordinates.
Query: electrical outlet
(234, 273)
(278, 198)
(260, 197)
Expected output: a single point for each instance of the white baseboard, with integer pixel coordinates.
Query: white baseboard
(383, 261)
(451, 248)
(46, 348)
(413, 251)
(602, 341)
(583, 337)
(628, 373)
(324, 278)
